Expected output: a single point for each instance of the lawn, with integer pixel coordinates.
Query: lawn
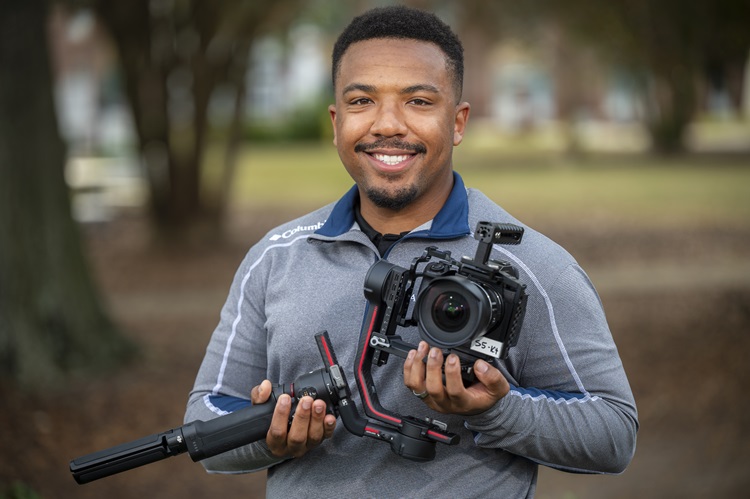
(626, 189)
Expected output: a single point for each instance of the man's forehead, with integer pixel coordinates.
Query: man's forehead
(374, 45)
(381, 54)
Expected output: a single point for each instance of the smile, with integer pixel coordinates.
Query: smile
(391, 160)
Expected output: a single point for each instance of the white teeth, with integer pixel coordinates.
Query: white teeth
(391, 160)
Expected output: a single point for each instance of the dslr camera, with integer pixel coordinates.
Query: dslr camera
(473, 307)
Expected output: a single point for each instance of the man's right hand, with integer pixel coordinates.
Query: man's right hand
(309, 427)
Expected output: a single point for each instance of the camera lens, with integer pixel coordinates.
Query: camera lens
(453, 310)
(450, 311)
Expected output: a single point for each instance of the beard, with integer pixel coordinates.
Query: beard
(394, 201)
(403, 196)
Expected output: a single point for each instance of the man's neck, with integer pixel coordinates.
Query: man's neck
(392, 222)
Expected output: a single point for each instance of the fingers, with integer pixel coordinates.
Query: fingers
(440, 377)
(317, 431)
(329, 424)
(434, 379)
(301, 431)
(454, 385)
(321, 418)
(414, 368)
(277, 432)
(310, 426)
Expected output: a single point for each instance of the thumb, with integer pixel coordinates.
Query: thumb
(492, 379)
(260, 393)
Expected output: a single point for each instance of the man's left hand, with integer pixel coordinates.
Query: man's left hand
(452, 397)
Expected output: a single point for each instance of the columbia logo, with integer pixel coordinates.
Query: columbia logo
(300, 228)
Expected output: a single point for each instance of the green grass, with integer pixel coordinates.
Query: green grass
(288, 175)
(629, 189)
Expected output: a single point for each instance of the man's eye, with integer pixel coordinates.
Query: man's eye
(419, 102)
(360, 101)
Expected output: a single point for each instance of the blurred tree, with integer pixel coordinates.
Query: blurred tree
(673, 47)
(669, 44)
(176, 57)
(479, 24)
(51, 320)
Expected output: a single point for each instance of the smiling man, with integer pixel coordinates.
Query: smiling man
(396, 119)
(561, 398)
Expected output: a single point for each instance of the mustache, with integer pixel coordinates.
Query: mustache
(390, 144)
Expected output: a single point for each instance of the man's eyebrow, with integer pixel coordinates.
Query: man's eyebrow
(420, 88)
(359, 87)
(362, 87)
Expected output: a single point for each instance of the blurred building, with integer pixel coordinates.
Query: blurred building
(93, 118)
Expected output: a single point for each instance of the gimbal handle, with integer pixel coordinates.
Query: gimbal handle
(201, 439)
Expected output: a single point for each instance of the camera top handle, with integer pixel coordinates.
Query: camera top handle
(489, 234)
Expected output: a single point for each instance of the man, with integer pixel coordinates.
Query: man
(560, 399)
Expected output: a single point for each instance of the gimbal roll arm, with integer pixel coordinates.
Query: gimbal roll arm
(380, 322)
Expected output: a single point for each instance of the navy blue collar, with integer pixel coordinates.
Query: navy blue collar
(451, 221)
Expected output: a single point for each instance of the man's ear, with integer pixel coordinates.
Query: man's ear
(459, 126)
(332, 114)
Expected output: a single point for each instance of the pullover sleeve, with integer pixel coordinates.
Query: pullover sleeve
(571, 407)
(234, 362)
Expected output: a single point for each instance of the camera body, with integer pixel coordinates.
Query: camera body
(473, 307)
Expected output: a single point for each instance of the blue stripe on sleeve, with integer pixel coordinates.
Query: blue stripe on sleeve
(227, 403)
(550, 395)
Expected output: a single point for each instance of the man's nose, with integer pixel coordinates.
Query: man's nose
(389, 121)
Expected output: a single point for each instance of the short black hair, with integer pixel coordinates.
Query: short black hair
(403, 23)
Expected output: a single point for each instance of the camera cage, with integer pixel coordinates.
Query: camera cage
(389, 288)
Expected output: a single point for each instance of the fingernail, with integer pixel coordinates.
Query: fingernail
(452, 360)
(482, 366)
(411, 355)
(318, 409)
(434, 353)
(306, 404)
(285, 401)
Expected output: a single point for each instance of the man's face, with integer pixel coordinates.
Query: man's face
(395, 123)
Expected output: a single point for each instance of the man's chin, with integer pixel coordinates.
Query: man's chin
(394, 200)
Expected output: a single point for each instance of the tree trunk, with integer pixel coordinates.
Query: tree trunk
(51, 320)
(673, 105)
(173, 56)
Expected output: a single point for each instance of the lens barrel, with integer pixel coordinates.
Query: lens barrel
(453, 310)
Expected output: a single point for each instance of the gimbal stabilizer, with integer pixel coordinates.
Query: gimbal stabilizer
(409, 437)
(499, 305)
